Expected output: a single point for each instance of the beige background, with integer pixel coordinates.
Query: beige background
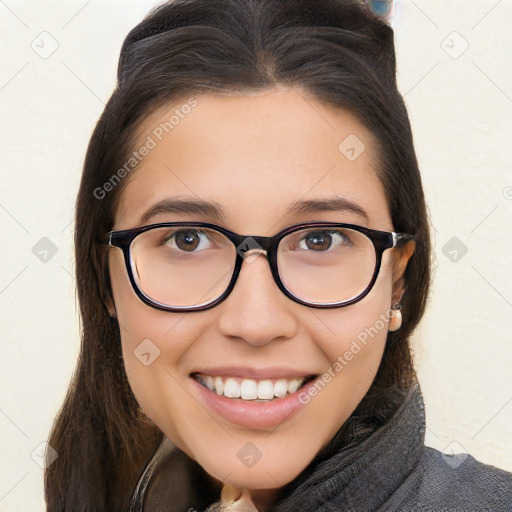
(454, 59)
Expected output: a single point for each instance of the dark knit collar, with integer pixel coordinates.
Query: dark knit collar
(365, 476)
(361, 477)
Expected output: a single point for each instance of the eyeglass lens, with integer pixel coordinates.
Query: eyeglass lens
(191, 266)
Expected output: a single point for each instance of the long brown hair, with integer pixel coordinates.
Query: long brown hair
(335, 51)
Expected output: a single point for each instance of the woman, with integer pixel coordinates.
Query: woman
(253, 255)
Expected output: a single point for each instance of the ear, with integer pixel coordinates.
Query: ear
(400, 258)
(109, 304)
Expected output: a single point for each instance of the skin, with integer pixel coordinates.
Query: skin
(238, 151)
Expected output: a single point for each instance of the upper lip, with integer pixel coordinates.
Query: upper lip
(254, 373)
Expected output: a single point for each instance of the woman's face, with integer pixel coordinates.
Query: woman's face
(254, 156)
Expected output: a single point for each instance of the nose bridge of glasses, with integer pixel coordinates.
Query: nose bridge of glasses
(253, 245)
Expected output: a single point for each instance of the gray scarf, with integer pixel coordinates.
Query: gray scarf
(390, 469)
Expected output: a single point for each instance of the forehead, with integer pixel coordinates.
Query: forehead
(254, 155)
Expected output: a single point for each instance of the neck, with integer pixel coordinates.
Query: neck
(255, 500)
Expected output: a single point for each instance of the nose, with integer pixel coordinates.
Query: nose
(256, 310)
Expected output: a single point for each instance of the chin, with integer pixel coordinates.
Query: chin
(266, 473)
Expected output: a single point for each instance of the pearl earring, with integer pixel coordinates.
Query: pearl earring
(395, 321)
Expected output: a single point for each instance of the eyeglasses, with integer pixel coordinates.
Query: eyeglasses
(193, 266)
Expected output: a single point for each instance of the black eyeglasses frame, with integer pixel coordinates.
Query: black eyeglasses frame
(382, 240)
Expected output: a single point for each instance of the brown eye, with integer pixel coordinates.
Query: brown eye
(187, 240)
(320, 241)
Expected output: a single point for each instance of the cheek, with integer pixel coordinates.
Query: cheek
(139, 322)
(363, 325)
(353, 341)
(360, 334)
(152, 342)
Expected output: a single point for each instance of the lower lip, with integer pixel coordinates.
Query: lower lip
(248, 413)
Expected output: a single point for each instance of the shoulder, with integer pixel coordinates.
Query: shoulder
(460, 482)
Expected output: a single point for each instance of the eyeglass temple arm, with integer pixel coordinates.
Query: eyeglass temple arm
(401, 238)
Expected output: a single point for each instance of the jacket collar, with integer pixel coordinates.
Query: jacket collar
(365, 476)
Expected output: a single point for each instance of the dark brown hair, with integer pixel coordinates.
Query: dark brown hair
(335, 51)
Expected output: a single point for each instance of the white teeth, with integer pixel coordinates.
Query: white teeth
(265, 390)
(208, 380)
(293, 385)
(231, 388)
(280, 388)
(218, 385)
(250, 389)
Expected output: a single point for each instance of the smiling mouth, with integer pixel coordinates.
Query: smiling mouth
(254, 390)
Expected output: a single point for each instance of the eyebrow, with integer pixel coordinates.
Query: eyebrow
(330, 204)
(187, 206)
(213, 210)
